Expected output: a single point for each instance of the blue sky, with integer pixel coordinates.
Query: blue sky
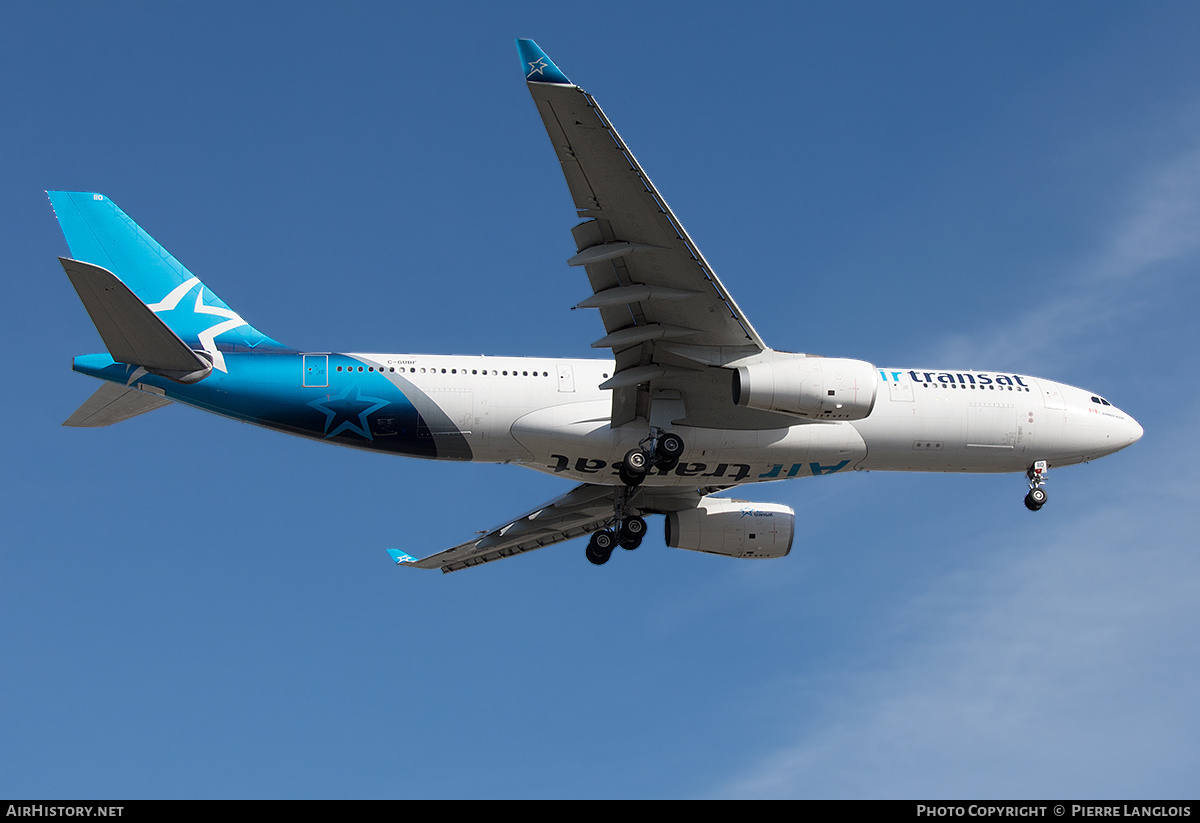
(193, 608)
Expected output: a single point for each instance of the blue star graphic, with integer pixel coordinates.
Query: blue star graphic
(348, 412)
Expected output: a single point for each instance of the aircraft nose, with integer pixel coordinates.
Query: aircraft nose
(1124, 432)
(1135, 432)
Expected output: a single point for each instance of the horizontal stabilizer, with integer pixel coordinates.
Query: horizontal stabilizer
(112, 404)
(131, 331)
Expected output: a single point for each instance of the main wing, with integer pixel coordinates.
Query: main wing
(670, 323)
(582, 510)
(668, 318)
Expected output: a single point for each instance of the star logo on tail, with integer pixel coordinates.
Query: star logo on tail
(537, 67)
(227, 318)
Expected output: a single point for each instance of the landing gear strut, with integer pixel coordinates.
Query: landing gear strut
(1037, 479)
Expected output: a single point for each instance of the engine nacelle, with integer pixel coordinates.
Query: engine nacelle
(819, 388)
(734, 528)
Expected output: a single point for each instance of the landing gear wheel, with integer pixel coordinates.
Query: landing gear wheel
(666, 463)
(595, 557)
(630, 479)
(604, 541)
(632, 532)
(633, 470)
(599, 547)
(670, 446)
(630, 543)
(637, 461)
(1035, 499)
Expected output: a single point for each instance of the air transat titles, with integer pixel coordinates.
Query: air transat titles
(956, 378)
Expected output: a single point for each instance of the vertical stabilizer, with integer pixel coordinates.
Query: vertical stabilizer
(99, 233)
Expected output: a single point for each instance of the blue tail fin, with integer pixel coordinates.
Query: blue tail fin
(99, 233)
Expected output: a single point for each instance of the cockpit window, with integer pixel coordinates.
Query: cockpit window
(1100, 401)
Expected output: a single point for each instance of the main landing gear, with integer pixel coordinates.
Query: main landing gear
(661, 450)
(626, 531)
(1037, 479)
(628, 536)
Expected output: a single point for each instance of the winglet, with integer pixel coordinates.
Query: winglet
(537, 66)
(400, 557)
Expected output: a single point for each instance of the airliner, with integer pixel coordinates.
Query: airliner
(691, 403)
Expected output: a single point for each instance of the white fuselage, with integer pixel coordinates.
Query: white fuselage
(549, 414)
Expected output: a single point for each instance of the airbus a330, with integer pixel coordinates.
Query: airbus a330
(692, 403)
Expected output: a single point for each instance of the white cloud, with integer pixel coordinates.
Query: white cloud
(1061, 667)
(1161, 223)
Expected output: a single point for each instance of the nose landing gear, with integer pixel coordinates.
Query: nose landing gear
(1037, 479)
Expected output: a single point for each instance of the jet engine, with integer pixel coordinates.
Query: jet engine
(734, 528)
(819, 388)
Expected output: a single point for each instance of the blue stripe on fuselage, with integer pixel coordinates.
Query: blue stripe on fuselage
(363, 409)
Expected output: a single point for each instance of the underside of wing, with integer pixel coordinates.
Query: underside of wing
(668, 318)
(583, 510)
